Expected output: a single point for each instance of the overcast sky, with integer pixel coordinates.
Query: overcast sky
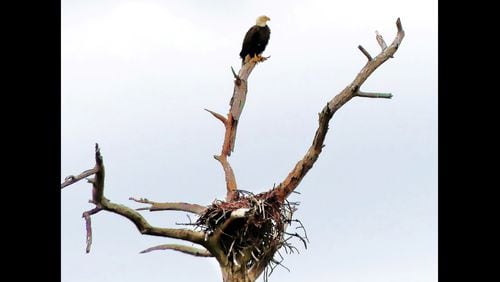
(136, 76)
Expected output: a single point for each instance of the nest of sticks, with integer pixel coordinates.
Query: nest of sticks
(252, 228)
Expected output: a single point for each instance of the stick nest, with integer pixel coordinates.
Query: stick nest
(256, 234)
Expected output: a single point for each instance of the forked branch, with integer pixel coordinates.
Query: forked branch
(231, 123)
(293, 179)
(140, 222)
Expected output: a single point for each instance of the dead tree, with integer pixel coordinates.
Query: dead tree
(244, 232)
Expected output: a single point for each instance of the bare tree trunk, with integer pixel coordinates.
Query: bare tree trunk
(238, 275)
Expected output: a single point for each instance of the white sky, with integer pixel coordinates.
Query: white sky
(136, 76)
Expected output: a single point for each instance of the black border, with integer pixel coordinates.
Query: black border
(462, 194)
(32, 115)
(34, 139)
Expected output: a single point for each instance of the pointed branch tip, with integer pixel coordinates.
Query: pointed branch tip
(398, 24)
(98, 156)
(217, 116)
(380, 40)
(234, 74)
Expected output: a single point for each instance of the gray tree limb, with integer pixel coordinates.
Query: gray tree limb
(180, 248)
(294, 178)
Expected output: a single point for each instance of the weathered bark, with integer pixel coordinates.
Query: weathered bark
(229, 275)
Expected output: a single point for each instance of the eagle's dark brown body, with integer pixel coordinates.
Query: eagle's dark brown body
(255, 41)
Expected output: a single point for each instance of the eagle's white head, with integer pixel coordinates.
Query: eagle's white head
(261, 21)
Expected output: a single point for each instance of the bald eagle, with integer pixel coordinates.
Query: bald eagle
(256, 39)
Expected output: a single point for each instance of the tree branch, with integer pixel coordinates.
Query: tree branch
(231, 186)
(145, 228)
(293, 179)
(88, 226)
(380, 40)
(236, 77)
(363, 50)
(155, 206)
(140, 222)
(236, 103)
(184, 249)
(218, 116)
(73, 179)
(373, 95)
